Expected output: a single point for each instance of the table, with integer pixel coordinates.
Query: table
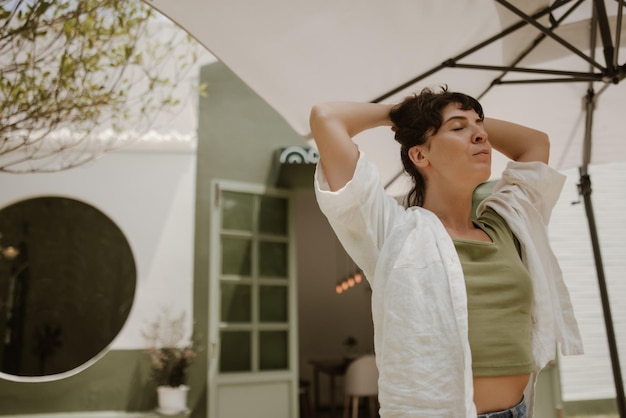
(333, 368)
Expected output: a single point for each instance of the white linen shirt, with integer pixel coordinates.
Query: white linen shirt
(419, 302)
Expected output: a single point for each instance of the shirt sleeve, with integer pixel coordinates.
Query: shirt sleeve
(533, 183)
(361, 214)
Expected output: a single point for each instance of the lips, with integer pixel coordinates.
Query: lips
(483, 152)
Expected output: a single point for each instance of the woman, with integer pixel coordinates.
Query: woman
(466, 313)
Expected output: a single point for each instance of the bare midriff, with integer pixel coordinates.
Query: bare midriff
(498, 393)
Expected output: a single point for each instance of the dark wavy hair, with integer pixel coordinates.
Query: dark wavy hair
(415, 120)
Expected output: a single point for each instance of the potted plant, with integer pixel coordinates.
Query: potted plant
(171, 352)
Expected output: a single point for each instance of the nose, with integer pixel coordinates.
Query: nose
(480, 135)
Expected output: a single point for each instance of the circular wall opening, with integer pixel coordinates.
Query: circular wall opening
(67, 292)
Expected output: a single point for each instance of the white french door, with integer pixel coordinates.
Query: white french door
(253, 364)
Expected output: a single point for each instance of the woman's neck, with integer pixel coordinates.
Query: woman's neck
(454, 210)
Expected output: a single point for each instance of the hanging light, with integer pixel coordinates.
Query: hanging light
(351, 279)
(8, 253)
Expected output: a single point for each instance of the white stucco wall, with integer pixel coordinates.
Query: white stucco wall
(150, 196)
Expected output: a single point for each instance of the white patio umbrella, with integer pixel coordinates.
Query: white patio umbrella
(555, 65)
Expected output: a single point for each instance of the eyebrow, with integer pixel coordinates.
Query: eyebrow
(460, 117)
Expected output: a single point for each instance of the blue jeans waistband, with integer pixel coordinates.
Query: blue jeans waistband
(518, 411)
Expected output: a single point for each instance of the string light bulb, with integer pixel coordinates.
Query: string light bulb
(350, 280)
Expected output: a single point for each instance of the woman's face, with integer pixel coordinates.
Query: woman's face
(460, 149)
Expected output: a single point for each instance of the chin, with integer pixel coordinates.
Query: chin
(486, 175)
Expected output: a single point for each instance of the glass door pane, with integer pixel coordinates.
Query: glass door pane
(236, 256)
(236, 349)
(254, 282)
(273, 215)
(273, 350)
(273, 304)
(273, 259)
(236, 302)
(237, 211)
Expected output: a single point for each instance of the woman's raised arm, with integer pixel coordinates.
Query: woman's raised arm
(333, 126)
(518, 142)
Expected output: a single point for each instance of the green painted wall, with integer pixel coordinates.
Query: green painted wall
(118, 381)
(237, 137)
(238, 132)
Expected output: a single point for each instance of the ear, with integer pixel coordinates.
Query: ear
(418, 157)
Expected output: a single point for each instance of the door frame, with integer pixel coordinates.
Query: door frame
(214, 378)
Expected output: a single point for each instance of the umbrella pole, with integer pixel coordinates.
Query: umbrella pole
(584, 188)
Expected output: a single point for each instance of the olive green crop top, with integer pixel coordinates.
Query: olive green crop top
(499, 299)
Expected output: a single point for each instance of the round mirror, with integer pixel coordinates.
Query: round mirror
(67, 284)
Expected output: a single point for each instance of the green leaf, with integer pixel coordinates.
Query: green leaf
(68, 29)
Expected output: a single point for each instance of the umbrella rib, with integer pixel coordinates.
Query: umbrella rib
(450, 62)
(547, 80)
(549, 33)
(540, 38)
(396, 177)
(605, 34)
(618, 31)
(585, 75)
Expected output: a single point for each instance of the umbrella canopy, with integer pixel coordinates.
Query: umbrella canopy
(554, 65)
(294, 54)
